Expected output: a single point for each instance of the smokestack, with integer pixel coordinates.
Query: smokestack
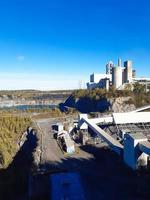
(119, 62)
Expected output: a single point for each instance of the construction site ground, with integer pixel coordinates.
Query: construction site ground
(103, 175)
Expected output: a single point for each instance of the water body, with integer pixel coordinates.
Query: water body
(27, 107)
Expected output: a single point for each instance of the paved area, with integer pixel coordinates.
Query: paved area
(103, 174)
(52, 154)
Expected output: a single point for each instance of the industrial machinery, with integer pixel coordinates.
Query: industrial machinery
(63, 138)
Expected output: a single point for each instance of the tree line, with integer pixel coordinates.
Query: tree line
(139, 94)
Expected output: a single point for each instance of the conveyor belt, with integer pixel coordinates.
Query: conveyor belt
(114, 144)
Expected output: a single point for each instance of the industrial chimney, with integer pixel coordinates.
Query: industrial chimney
(119, 62)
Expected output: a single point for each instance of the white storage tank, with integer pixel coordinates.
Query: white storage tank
(128, 71)
(117, 77)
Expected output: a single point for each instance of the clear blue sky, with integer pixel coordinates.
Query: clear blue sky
(53, 44)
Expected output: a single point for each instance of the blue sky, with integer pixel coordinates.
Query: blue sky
(54, 44)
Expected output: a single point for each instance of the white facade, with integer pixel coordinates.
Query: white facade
(95, 78)
(99, 81)
(133, 157)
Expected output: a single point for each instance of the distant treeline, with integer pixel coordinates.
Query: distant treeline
(35, 94)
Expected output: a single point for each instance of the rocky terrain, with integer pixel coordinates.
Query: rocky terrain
(98, 100)
(120, 105)
(86, 105)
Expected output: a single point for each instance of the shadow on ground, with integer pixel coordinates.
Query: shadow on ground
(14, 179)
(104, 176)
(85, 104)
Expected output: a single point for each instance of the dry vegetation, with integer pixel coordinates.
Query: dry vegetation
(11, 129)
(139, 97)
(55, 113)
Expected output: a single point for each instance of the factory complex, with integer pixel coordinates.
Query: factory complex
(117, 76)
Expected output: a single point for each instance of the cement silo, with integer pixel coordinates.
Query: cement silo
(133, 73)
(117, 76)
(128, 71)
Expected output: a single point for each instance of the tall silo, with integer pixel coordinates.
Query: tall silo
(133, 73)
(119, 62)
(128, 71)
(117, 76)
(109, 67)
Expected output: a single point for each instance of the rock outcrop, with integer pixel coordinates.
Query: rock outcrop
(86, 105)
(121, 104)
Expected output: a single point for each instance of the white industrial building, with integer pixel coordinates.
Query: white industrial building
(99, 80)
(133, 145)
(117, 76)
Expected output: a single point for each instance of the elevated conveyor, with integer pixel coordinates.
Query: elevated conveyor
(114, 144)
(103, 120)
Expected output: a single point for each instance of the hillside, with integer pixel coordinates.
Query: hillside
(99, 100)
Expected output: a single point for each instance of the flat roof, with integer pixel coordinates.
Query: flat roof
(138, 136)
(131, 117)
